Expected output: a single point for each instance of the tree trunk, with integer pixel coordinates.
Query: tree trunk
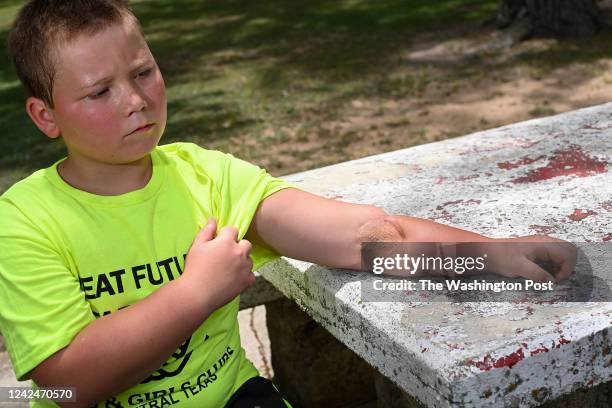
(524, 19)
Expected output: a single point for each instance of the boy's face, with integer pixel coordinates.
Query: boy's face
(109, 96)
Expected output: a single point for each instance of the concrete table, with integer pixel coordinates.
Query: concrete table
(546, 176)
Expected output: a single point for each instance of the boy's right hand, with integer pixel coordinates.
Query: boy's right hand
(217, 267)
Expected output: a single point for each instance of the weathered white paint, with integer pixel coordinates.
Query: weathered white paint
(546, 176)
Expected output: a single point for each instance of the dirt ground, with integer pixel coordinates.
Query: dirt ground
(461, 84)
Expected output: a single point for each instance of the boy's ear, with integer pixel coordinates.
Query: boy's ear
(42, 116)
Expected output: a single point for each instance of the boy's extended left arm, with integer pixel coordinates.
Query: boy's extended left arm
(305, 226)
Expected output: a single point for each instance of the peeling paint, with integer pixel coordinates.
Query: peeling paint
(571, 161)
(580, 214)
(606, 205)
(562, 341)
(488, 362)
(525, 160)
(542, 349)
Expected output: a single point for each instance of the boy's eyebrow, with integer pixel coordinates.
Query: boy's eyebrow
(141, 63)
(99, 81)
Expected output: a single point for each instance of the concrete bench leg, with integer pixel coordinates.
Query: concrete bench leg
(391, 396)
(596, 397)
(312, 368)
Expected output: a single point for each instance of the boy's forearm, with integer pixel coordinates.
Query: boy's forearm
(305, 226)
(122, 349)
(411, 229)
(428, 236)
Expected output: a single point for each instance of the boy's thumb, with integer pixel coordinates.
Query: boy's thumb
(208, 232)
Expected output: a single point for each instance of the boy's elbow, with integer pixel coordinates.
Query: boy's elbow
(374, 225)
(378, 226)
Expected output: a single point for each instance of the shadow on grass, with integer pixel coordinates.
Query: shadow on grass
(227, 64)
(337, 40)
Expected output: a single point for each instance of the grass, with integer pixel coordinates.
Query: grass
(256, 79)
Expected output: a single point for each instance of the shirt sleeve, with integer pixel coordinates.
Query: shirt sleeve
(42, 307)
(243, 187)
(239, 188)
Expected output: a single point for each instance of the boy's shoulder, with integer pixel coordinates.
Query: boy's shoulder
(216, 164)
(32, 185)
(191, 152)
(25, 201)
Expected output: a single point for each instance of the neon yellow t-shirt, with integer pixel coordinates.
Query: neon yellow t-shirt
(68, 257)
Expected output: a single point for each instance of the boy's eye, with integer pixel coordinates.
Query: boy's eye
(98, 94)
(145, 73)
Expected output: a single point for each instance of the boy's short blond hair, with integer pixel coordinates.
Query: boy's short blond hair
(43, 25)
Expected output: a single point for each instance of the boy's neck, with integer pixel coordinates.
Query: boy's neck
(106, 179)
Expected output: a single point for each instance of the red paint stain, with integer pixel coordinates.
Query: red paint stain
(606, 205)
(567, 162)
(454, 346)
(541, 229)
(506, 361)
(539, 350)
(607, 238)
(562, 340)
(440, 180)
(523, 161)
(589, 126)
(580, 214)
(590, 382)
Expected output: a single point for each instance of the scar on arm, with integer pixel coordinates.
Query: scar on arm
(384, 229)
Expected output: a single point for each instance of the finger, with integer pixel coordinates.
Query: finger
(530, 270)
(564, 255)
(229, 233)
(245, 246)
(208, 232)
(561, 254)
(251, 279)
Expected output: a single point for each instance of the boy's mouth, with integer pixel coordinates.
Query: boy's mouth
(141, 129)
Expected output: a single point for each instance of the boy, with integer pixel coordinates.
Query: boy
(103, 286)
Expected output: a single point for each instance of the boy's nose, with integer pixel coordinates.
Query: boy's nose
(135, 101)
